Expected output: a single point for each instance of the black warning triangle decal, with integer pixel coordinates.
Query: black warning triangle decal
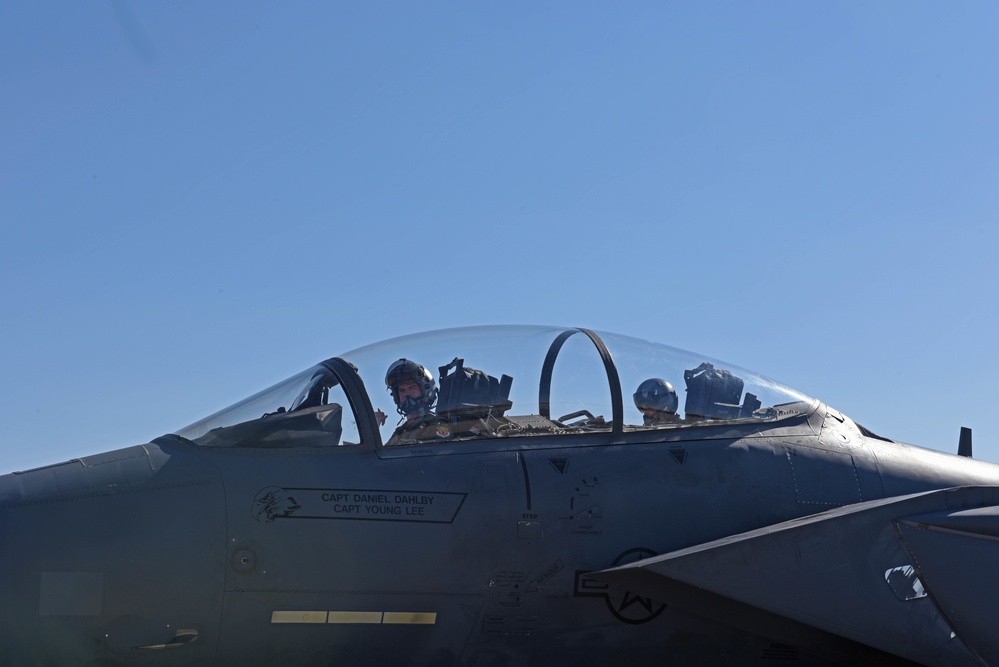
(560, 464)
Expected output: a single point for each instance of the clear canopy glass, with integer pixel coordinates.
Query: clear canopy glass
(503, 382)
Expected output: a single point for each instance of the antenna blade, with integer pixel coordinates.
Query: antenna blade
(964, 444)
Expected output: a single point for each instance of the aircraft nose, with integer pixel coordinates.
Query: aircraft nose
(14, 598)
(102, 555)
(39, 596)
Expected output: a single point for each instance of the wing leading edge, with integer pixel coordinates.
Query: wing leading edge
(909, 576)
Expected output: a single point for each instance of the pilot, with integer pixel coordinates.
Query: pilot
(415, 394)
(657, 402)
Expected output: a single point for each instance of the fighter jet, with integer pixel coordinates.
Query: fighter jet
(539, 496)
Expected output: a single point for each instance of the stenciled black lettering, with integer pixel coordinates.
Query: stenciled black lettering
(414, 500)
(370, 498)
(346, 509)
(383, 509)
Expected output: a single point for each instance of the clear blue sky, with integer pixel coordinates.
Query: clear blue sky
(198, 200)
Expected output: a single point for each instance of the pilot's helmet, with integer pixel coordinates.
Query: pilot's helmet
(404, 369)
(656, 394)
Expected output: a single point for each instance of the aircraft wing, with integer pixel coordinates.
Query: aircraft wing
(912, 576)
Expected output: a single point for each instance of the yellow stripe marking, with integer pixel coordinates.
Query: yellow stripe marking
(298, 617)
(355, 617)
(411, 617)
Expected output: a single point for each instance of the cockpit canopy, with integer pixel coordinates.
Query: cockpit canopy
(500, 382)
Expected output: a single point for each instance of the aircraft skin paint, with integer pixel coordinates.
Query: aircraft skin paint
(577, 548)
